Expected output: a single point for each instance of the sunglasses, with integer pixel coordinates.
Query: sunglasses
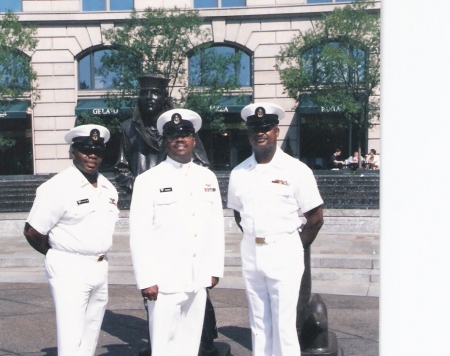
(89, 150)
(260, 128)
(182, 134)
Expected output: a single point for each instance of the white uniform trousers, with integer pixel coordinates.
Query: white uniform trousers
(175, 323)
(79, 286)
(272, 274)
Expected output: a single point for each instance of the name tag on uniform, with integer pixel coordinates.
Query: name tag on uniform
(210, 190)
(82, 201)
(165, 190)
(279, 181)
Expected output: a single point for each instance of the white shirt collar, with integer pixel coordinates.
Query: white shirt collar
(83, 181)
(178, 165)
(275, 162)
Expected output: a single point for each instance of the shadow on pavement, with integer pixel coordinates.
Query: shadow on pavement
(238, 334)
(129, 329)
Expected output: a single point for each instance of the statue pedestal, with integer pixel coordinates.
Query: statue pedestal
(331, 350)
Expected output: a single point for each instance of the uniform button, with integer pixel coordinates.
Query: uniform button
(194, 254)
(195, 235)
(193, 214)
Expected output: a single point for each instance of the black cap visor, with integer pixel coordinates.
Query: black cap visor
(88, 149)
(170, 128)
(262, 125)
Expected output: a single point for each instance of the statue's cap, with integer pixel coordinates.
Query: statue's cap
(179, 120)
(262, 114)
(152, 81)
(88, 135)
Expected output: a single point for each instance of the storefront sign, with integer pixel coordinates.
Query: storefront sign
(330, 109)
(105, 111)
(219, 108)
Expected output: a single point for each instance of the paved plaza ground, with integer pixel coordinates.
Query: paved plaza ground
(27, 321)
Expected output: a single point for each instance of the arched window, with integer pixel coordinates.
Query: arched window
(204, 67)
(88, 72)
(11, 5)
(334, 62)
(228, 72)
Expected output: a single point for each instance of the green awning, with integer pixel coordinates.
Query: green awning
(17, 110)
(98, 107)
(307, 105)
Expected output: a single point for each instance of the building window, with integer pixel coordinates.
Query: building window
(199, 71)
(326, 1)
(107, 5)
(11, 5)
(88, 72)
(318, 63)
(201, 4)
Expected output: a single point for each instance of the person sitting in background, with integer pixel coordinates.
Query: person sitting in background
(334, 162)
(353, 161)
(372, 161)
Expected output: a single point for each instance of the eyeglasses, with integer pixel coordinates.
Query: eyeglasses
(180, 135)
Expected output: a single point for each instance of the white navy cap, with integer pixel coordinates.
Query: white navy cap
(88, 135)
(178, 120)
(262, 114)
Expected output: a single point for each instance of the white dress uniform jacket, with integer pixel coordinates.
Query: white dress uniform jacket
(269, 196)
(77, 217)
(176, 228)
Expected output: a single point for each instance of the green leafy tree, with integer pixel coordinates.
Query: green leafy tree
(112, 123)
(338, 64)
(158, 41)
(17, 77)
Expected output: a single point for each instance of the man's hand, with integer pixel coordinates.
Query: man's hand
(214, 282)
(150, 293)
(237, 218)
(38, 241)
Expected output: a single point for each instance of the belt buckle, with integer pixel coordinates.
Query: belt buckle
(260, 240)
(100, 258)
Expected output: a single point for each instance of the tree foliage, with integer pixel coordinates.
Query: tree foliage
(16, 74)
(17, 77)
(337, 62)
(159, 41)
(112, 123)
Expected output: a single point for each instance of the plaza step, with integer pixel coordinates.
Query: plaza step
(339, 190)
(340, 262)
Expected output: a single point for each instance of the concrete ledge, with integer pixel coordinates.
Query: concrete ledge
(344, 261)
(125, 276)
(336, 220)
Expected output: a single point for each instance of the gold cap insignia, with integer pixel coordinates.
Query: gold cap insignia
(95, 134)
(176, 118)
(260, 112)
